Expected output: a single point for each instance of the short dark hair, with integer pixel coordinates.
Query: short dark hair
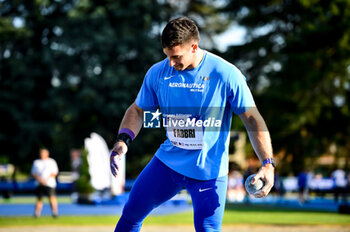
(179, 31)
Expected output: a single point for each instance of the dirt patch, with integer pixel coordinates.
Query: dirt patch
(182, 228)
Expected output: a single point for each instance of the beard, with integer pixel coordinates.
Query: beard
(179, 67)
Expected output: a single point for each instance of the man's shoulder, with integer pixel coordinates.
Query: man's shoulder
(160, 65)
(51, 160)
(226, 69)
(219, 61)
(37, 161)
(158, 69)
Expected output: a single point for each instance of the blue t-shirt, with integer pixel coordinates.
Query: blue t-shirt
(208, 93)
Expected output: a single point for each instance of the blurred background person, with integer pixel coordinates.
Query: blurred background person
(235, 188)
(45, 170)
(278, 187)
(339, 184)
(347, 192)
(304, 178)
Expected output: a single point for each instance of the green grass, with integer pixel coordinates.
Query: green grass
(62, 220)
(234, 214)
(32, 199)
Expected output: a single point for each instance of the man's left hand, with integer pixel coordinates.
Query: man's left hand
(267, 174)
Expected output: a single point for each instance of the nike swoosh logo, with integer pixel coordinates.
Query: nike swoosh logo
(202, 190)
(166, 78)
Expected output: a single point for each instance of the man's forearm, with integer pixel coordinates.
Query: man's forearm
(260, 139)
(261, 143)
(128, 130)
(133, 119)
(53, 175)
(42, 181)
(258, 134)
(37, 177)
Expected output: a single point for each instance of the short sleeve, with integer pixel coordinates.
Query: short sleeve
(34, 170)
(147, 98)
(240, 97)
(54, 167)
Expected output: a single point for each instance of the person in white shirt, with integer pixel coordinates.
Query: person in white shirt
(45, 170)
(339, 179)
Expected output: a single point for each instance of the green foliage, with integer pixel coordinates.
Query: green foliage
(4, 159)
(68, 68)
(83, 183)
(296, 59)
(208, 16)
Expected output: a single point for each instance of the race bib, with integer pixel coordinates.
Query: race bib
(183, 132)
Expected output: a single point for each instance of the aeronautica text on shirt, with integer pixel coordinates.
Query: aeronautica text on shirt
(194, 87)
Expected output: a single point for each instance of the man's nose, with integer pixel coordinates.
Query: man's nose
(171, 63)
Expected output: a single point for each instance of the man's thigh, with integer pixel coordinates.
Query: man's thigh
(156, 184)
(208, 198)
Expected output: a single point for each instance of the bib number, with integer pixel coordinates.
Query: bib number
(184, 134)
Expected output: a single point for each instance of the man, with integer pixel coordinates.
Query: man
(339, 184)
(196, 84)
(45, 170)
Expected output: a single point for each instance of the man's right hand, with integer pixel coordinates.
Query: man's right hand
(42, 181)
(118, 150)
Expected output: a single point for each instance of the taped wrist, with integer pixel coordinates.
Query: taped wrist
(125, 138)
(126, 135)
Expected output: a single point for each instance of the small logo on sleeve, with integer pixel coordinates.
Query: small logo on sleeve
(205, 78)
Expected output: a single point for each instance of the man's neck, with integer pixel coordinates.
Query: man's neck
(198, 59)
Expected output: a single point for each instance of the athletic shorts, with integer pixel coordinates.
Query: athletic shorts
(44, 190)
(157, 183)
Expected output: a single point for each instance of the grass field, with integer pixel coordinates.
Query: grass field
(234, 214)
(32, 199)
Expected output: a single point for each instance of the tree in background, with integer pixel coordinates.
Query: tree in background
(83, 184)
(108, 46)
(25, 80)
(296, 56)
(69, 67)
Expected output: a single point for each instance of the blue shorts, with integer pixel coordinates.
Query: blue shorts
(157, 183)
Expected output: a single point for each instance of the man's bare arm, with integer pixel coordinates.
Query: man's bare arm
(258, 133)
(132, 120)
(260, 139)
(39, 179)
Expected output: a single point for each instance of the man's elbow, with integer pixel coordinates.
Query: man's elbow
(136, 109)
(255, 122)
